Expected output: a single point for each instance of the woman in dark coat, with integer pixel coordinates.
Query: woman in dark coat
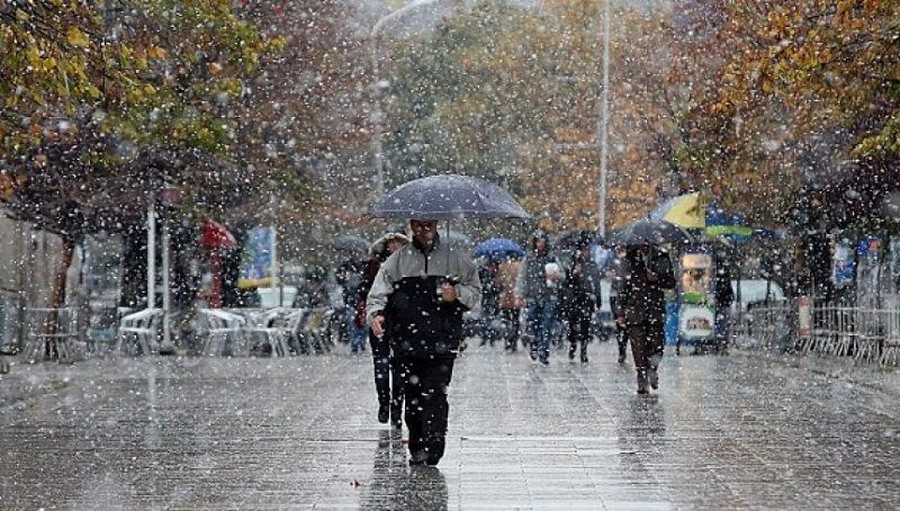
(642, 307)
(387, 381)
(580, 296)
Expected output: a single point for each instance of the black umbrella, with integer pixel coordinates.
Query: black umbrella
(651, 232)
(446, 197)
(352, 244)
(567, 241)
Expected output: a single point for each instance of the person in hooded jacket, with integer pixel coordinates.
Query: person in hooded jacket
(387, 378)
(580, 296)
(538, 290)
(417, 300)
(647, 274)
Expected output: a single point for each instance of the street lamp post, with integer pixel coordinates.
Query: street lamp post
(378, 88)
(603, 121)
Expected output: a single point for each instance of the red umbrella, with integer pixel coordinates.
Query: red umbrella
(214, 235)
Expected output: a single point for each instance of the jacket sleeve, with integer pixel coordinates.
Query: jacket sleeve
(382, 287)
(468, 289)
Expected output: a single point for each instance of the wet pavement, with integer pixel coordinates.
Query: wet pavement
(169, 433)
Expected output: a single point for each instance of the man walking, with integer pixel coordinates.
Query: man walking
(642, 305)
(418, 299)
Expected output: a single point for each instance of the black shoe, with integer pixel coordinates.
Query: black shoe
(572, 353)
(383, 413)
(418, 457)
(533, 354)
(653, 377)
(545, 363)
(642, 382)
(621, 358)
(584, 358)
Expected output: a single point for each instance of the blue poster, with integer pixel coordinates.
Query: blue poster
(843, 266)
(257, 258)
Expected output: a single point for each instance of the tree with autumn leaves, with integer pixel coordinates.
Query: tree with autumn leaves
(804, 103)
(106, 103)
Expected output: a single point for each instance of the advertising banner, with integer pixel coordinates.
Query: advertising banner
(697, 315)
(696, 322)
(257, 259)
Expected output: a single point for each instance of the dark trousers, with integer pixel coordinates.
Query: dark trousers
(621, 331)
(579, 318)
(510, 328)
(425, 383)
(388, 385)
(646, 343)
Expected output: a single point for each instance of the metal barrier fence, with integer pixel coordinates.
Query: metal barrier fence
(771, 326)
(867, 333)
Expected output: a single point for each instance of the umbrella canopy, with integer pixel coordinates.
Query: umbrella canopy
(214, 235)
(498, 249)
(690, 212)
(569, 240)
(446, 197)
(684, 211)
(648, 231)
(351, 244)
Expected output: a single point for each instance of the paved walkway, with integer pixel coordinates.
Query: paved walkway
(723, 433)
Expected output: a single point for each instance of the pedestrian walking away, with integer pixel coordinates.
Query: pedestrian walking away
(647, 273)
(509, 302)
(349, 275)
(388, 383)
(616, 276)
(417, 300)
(724, 300)
(580, 296)
(490, 322)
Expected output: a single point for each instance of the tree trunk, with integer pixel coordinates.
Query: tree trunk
(58, 297)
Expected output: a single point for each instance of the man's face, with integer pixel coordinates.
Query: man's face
(424, 231)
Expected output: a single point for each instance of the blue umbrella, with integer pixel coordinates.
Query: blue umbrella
(447, 197)
(497, 249)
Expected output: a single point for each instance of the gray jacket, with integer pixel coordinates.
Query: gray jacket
(417, 322)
